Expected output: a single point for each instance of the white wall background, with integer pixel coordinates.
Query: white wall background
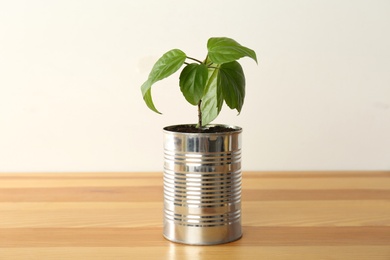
(70, 73)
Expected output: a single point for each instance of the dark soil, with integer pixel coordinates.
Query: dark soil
(194, 129)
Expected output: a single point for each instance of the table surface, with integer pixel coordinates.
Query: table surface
(286, 215)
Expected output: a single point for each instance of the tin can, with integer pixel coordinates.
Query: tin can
(202, 186)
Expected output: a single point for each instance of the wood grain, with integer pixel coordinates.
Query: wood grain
(286, 215)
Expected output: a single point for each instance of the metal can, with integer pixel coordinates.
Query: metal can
(202, 186)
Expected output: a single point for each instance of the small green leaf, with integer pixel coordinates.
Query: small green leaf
(168, 64)
(212, 100)
(231, 79)
(192, 82)
(222, 50)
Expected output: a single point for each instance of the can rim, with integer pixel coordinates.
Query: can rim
(236, 129)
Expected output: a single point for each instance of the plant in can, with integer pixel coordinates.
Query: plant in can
(207, 84)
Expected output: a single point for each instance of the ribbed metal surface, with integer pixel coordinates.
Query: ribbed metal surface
(202, 187)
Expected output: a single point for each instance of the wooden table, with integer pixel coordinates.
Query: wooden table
(286, 215)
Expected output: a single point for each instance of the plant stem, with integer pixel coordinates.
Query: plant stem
(199, 115)
(207, 57)
(194, 59)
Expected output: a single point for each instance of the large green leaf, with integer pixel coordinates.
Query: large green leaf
(192, 82)
(231, 79)
(168, 64)
(222, 50)
(212, 100)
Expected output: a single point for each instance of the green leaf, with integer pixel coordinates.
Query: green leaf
(222, 50)
(192, 82)
(212, 100)
(168, 64)
(231, 79)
